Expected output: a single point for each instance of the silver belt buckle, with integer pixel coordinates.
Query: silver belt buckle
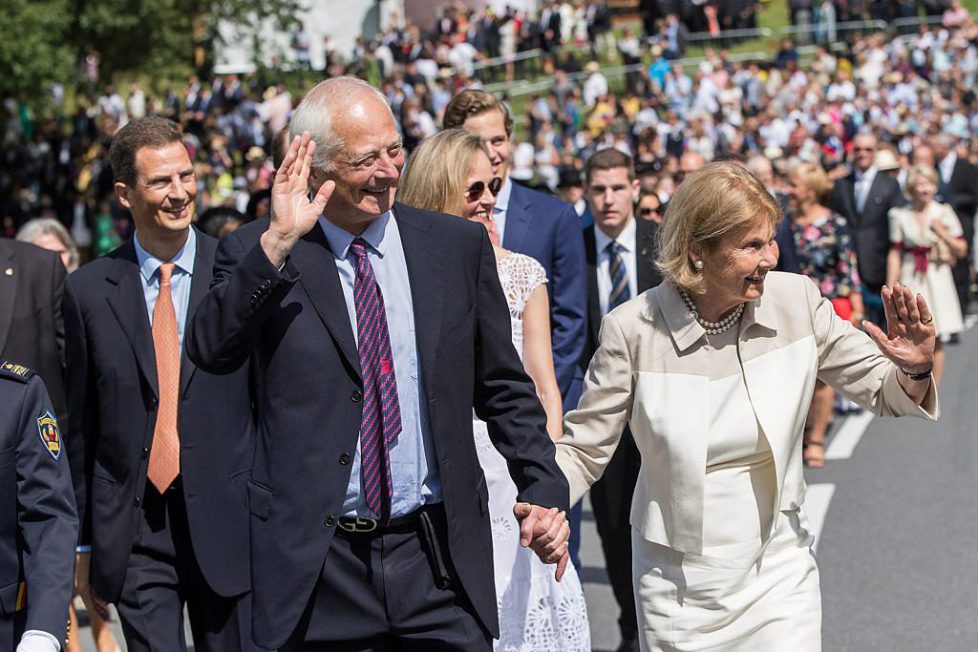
(358, 524)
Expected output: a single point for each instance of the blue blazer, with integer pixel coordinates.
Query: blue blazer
(308, 390)
(549, 230)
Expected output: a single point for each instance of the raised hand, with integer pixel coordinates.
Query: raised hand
(293, 214)
(546, 532)
(911, 336)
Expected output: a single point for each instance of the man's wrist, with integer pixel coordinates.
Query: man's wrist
(276, 248)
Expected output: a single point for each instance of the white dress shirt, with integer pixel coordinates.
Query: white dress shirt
(864, 181)
(627, 240)
(501, 208)
(946, 166)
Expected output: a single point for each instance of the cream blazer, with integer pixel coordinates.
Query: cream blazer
(650, 371)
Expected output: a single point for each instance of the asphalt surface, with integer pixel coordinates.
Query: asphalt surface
(897, 543)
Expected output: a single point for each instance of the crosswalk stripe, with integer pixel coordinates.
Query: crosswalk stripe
(845, 441)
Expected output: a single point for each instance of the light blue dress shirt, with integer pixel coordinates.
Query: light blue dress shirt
(149, 276)
(414, 467)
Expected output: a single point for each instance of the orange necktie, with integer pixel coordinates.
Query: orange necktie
(164, 457)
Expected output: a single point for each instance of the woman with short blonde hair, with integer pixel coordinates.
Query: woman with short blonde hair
(726, 199)
(713, 372)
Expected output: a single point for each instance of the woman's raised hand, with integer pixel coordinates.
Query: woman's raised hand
(911, 336)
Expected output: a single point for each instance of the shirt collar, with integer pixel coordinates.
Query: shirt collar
(947, 163)
(868, 175)
(502, 198)
(626, 238)
(184, 260)
(340, 240)
(686, 331)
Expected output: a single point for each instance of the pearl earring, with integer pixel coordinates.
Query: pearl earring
(698, 265)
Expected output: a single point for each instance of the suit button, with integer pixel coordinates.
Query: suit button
(356, 396)
(345, 458)
(329, 522)
(145, 451)
(153, 403)
(139, 501)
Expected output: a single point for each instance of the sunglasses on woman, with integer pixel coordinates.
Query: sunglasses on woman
(645, 210)
(479, 187)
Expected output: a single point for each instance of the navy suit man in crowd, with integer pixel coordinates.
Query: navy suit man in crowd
(160, 450)
(543, 227)
(376, 330)
(38, 524)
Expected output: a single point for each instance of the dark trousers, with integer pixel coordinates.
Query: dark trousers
(611, 499)
(391, 589)
(162, 576)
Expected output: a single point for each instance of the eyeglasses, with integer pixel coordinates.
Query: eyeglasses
(864, 149)
(478, 188)
(645, 210)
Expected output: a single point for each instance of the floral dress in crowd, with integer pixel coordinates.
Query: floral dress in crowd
(826, 255)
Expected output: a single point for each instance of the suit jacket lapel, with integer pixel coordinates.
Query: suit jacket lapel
(200, 283)
(593, 301)
(427, 284)
(517, 219)
(850, 197)
(128, 304)
(8, 290)
(321, 281)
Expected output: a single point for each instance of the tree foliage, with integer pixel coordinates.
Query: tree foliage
(33, 52)
(43, 41)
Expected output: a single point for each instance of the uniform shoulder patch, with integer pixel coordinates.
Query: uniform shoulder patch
(15, 371)
(47, 430)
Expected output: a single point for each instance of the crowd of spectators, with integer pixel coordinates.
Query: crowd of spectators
(802, 104)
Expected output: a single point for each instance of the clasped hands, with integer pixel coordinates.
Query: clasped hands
(546, 532)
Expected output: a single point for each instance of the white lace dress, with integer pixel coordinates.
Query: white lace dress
(536, 613)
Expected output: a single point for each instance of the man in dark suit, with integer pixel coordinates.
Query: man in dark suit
(958, 189)
(38, 524)
(620, 251)
(377, 329)
(864, 198)
(160, 450)
(31, 328)
(540, 226)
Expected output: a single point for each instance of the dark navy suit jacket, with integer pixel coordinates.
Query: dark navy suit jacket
(549, 230)
(112, 402)
(308, 388)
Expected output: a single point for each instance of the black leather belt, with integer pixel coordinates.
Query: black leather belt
(364, 525)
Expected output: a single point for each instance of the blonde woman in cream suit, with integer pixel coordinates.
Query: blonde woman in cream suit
(714, 371)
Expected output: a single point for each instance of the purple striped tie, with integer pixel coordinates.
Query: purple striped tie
(380, 421)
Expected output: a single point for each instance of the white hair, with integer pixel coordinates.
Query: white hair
(315, 115)
(50, 226)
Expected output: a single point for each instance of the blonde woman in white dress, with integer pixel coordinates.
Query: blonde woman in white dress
(925, 242)
(451, 172)
(713, 371)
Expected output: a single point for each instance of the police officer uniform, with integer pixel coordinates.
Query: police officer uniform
(38, 523)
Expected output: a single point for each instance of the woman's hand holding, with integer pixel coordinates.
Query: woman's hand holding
(911, 336)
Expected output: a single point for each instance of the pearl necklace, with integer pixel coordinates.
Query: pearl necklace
(713, 327)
